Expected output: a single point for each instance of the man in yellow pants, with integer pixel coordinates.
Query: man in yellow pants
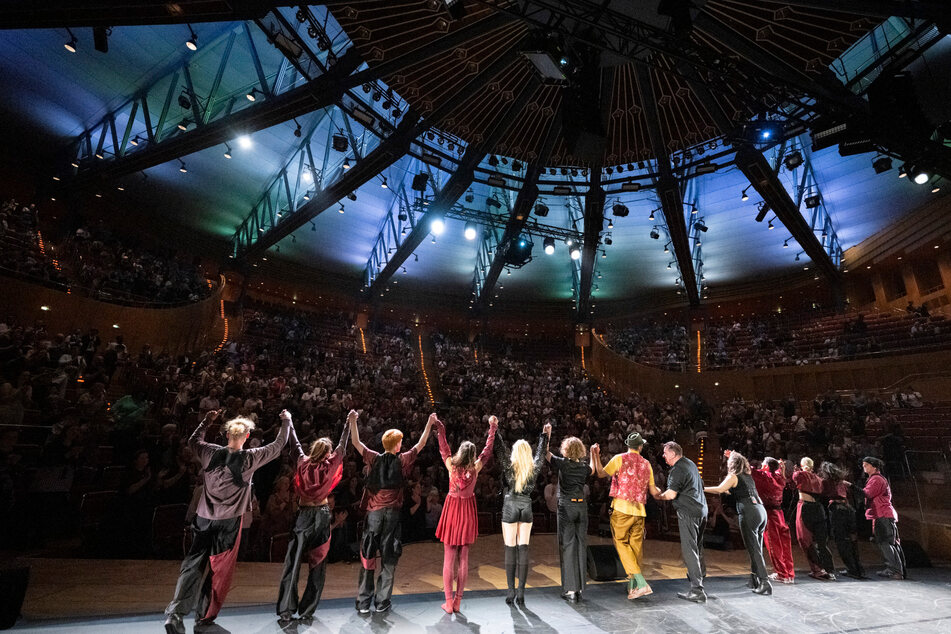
(631, 480)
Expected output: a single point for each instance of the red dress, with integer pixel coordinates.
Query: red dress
(459, 523)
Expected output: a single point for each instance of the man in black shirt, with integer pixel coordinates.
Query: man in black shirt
(685, 490)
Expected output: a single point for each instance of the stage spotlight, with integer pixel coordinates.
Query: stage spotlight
(134, 140)
(919, 175)
(227, 151)
(419, 182)
(340, 143)
(297, 131)
(251, 95)
(541, 210)
(493, 161)
(182, 169)
(437, 226)
(470, 231)
(575, 252)
(610, 224)
(655, 235)
(882, 164)
(608, 241)
(346, 163)
(770, 225)
(630, 186)
(383, 184)
(183, 124)
(183, 101)
(744, 197)
(549, 243)
(469, 196)
(667, 248)
(620, 210)
(342, 209)
(651, 217)
(812, 201)
(701, 226)
(192, 42)
(785, 244)
(245, 142)
(352, 195)
(72, 44)
(793, 160)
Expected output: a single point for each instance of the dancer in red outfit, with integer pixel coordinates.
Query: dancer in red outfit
(316, 475)
(458, 525)
(811, 531)
(770, 483)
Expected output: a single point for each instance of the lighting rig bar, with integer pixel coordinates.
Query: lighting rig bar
(500, 221)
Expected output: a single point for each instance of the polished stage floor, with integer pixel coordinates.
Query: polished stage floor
(127, 597)
(921, 605)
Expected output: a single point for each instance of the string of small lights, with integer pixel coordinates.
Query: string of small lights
(363, 341)
(698, 351)
(700, 457)
(582, 359)
(224, 338)
(422, 366)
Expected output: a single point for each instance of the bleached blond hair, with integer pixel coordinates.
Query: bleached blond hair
(239, 427)
(522, 464)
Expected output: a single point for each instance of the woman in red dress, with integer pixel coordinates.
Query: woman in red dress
(459, 525)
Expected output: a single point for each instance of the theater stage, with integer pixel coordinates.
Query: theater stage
(113, 597)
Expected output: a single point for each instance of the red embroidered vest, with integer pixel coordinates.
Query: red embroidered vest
(631, 480)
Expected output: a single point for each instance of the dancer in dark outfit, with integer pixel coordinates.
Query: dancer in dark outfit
(519, 472)
(842, 518)
(685, 488)
(316, 475)
(572, 472)
(225, 499)
(752, 515)
(381, 547)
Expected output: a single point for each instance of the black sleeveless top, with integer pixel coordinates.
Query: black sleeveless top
(745, 489)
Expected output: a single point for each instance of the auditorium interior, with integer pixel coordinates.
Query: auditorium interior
(722, 223)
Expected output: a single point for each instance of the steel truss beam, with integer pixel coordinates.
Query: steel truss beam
(803, 182)
(763, 178)
(925, 9)
(457, 185)
(625, 37)
(250, 241)
(29, 14)
(668, 188)
(224, 117)
(521, 209)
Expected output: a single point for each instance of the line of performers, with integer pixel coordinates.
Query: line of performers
(207, 570)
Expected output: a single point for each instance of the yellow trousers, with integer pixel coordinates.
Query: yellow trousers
(628, 534)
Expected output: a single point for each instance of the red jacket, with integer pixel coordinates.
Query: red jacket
(770, 487)
(879, 496)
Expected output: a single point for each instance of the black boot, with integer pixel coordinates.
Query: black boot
(753, 581)
(764, 587)
(522, 573)
(510, 562)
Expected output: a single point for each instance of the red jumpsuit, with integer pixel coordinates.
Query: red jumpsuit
(770, 486)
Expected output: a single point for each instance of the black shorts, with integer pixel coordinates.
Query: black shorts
(516, 508)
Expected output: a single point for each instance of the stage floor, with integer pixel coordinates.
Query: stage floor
(128, 596)
(921, 604)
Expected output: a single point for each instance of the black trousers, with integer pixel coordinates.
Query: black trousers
(573, 544)
(193, 590)
(691, 529)
(886, 536)
(311, 531)
(843, 525)
(817, 550)
(752, 526)
(380, 548)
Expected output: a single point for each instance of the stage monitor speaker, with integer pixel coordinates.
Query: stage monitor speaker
(13, 582)
(604, 564)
